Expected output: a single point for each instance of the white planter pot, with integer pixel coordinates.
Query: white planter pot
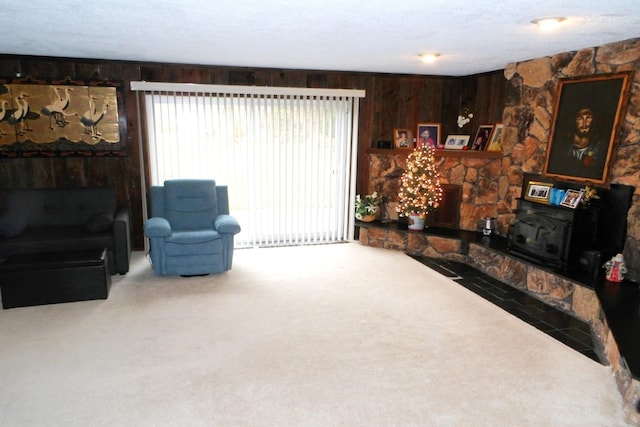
(416, 222)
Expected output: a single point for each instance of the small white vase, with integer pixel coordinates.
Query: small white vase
(416, 222)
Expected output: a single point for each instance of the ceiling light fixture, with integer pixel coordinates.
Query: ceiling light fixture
(429, 58)
(548, 24)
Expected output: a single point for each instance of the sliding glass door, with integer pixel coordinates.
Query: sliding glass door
(287, 155)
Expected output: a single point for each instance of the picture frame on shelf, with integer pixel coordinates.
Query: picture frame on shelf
(456, 142)
(481, 140)
(572, 198)
(586, 122)
(538, 192)
(402, 139)
(495, 141)
(429, 134)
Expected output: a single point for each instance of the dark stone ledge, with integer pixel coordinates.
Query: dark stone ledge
(574, 292)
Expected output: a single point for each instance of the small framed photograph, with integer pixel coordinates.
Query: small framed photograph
(456, 142)
(571, 199)
(538, 192)
(482, 138)
(402, 139)
(429, 134)
(495, 142)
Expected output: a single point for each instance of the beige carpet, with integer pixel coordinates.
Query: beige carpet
(337, 335)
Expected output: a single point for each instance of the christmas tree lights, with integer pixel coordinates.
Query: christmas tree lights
(420, 191)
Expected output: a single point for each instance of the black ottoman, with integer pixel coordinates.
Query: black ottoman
(49, 278)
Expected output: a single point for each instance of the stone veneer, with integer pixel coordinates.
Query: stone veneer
(528, 115)
(490, 186)
(562, 293)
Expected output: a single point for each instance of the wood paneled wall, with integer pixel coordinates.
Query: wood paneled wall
(392, 101)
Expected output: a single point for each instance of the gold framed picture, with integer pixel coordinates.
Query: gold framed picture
(586, 122)
(429, 134)
(402, 139)
(495, 142)
(538, 192)
(62, 118)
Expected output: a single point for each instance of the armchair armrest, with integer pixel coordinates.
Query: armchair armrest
(157, 227)
(226, 224)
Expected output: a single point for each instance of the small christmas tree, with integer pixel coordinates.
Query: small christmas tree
(420, 191)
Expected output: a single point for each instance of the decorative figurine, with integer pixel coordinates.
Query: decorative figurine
(616, 268)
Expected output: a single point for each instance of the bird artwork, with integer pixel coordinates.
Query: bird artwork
(56, 110)
(17, 115)
(23, 114)
(92, 117)
(56, 117)
(4, 114)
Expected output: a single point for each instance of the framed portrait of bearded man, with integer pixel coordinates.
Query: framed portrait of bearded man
(587, 117)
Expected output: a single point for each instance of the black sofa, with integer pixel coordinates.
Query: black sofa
(69, 219)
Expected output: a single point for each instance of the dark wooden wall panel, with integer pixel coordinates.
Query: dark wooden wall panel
(392, 101)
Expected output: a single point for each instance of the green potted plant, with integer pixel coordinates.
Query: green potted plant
(367, 207)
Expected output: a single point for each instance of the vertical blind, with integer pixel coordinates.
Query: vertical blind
(288, 155)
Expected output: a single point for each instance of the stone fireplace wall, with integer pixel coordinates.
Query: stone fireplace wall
(528, 116)
(490, 186)
(484, 190)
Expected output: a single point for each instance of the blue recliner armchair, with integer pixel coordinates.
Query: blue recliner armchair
(190, 229)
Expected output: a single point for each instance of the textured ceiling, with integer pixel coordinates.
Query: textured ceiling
(383, 36)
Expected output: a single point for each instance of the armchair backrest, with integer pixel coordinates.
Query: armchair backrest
(189, 204)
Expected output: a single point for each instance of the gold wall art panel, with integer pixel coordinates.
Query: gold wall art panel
(65, 119)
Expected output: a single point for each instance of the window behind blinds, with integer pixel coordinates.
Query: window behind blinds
(287, 155)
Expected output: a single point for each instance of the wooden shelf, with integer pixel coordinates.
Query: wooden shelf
(442, 153)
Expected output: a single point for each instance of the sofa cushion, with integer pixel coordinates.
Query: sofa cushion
(68, 207)
(12, 227)
(99, 223)
(54, 239)
(13, 221)
(193, 237)
(204, 248)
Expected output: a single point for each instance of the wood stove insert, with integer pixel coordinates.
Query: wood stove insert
(576, 240)
(551, 235)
